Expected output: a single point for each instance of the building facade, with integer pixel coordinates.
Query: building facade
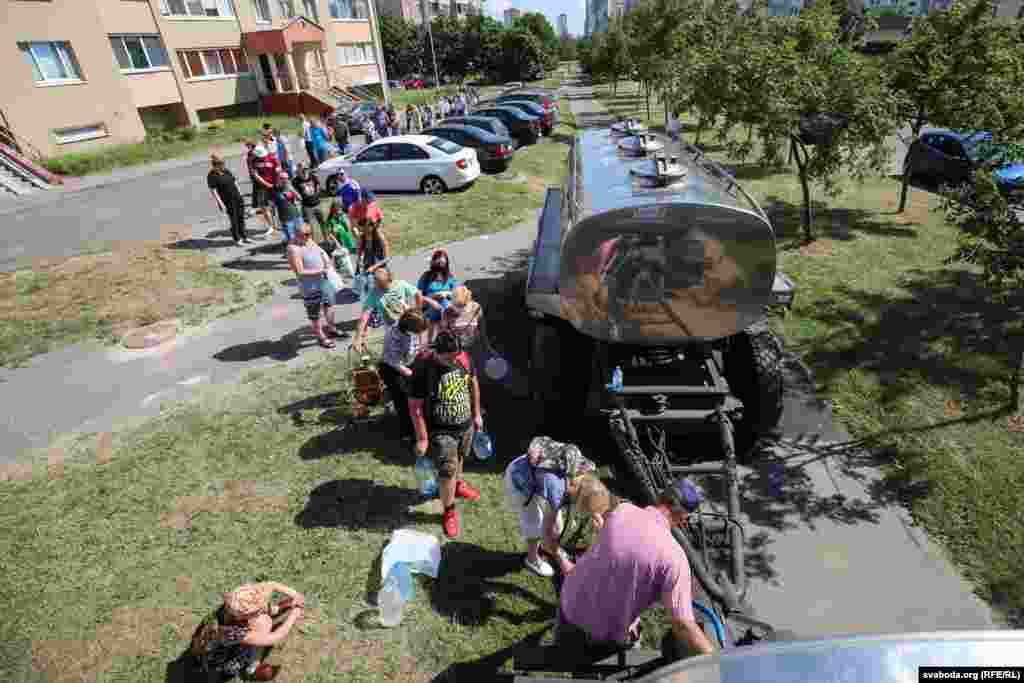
(563, 25)
(510, 16)
(86, 73)
(596, 17)
(416, 10)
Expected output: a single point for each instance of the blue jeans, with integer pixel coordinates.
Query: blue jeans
(291, 228)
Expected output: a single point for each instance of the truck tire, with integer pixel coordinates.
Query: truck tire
(753, 369)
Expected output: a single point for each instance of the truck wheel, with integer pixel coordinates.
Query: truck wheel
(753, 369)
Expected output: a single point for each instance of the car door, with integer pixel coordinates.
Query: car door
(368, 167)
(955, 162)
(410, 165)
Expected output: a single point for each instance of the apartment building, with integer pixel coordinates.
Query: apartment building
(85, 73)
(597, 16)
(563, 25)
(511, 14)
(415, 10)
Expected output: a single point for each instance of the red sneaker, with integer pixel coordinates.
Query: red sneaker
(464, 490)
(264, 672)
(451, 522)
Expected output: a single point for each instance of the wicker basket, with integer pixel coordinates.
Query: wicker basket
(367, 386)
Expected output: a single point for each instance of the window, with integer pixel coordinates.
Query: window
(52, 63)
(139, 53)
(378, 153)
(407, 152)
(445, 146)
(65, 136)
(262, 10)
(200, 9)
(355, 53)
(213, 63)
(348, 9)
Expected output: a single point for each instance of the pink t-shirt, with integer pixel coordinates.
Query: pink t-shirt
(634, 563)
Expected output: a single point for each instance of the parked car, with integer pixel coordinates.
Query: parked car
(413, 83)
(425, 163)
(523, 127)
(397, 85)
(358, 114)
(494, 152)
(547, 98)
(511, 86)
(488, 123)
(949, 157)
(547, 117)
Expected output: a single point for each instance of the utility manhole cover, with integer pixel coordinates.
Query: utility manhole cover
(151, 335)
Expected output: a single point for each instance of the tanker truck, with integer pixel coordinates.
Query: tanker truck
(653, 265)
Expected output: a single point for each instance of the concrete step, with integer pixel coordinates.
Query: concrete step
(14, 183)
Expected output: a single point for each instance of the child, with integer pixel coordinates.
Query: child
(341, 240)
(401, 344)
(537, 486)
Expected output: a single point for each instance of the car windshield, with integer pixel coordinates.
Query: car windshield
(446, 146)
(979, 147)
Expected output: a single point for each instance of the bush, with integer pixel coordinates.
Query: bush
(215, 125)
(188, 134)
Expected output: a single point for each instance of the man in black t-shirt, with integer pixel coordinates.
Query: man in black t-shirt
(341, 133)
(226, 194)
(308, 187)
(444, 402)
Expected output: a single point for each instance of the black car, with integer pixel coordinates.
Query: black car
(494, 152)
(523, 127)
(545, 98)
(547, 119)
(488, 123)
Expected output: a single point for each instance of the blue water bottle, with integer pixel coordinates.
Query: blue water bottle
(616, 383)
(425, 476)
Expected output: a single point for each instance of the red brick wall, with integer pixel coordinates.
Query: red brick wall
(293, 104)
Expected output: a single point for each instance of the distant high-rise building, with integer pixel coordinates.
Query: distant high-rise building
(511, 14)
(597, 17)
(563, 25)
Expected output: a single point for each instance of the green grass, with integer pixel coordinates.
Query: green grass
(915, 358)
(166, 145)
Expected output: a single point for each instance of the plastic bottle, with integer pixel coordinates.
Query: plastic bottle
(425, 476)
(482, 445)
(616, 384)
(396, 591)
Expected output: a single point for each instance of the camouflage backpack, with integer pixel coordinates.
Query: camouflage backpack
(563, 459)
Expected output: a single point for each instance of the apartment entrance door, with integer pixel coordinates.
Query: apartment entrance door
(268, 73)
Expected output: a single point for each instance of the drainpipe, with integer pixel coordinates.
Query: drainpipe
(379, 49)
(193, 117)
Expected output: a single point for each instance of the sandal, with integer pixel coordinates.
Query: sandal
(327, 343)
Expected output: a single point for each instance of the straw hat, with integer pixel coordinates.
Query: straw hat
(245, 602)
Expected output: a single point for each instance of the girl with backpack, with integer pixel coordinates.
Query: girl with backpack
(538, 485)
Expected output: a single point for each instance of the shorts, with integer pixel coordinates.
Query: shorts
(531, 515)
(260, 198)
(448, 451)
(314, 302)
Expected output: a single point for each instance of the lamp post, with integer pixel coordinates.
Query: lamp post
(430, 33)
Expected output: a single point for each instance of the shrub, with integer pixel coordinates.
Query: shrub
(188, 134)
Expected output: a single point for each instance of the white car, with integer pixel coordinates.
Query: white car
(405, 162)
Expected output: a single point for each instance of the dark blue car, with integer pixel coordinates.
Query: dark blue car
(950, 157)
(494, 152)
(523, 127)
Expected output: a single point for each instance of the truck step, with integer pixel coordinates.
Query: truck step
(672, 391)
(671, 416)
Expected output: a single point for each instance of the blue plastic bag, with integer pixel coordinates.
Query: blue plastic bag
(425, 476)
(483, 447)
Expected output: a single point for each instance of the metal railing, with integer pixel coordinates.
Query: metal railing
(14, 141)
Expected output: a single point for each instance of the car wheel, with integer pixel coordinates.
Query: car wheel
(331, 186)
(433, 185)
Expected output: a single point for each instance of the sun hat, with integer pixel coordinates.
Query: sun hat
(684, 496)
(245, 602)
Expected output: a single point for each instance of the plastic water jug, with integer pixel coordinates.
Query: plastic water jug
(425, 476)
(616, 384)
(483, 447)
(396, 591)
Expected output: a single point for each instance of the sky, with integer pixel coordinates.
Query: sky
(575, 9)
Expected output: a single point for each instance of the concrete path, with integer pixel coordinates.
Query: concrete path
(828, 551)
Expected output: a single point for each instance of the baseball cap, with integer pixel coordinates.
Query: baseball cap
(685, 496)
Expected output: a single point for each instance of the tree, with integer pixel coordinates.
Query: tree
(567, 49)
(585, 54)
(449, 46)
(958, 69)
(829, 104)
(538, 25)
(481, 43)
(403, 52)
(521, 55)
(615, 56)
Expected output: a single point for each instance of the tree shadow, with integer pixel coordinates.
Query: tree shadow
(466, 590)
(201, 244)
(355, 504)
(247, 265)
(837, 223)
(376, 434)
(946, 331)
(753, 171)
